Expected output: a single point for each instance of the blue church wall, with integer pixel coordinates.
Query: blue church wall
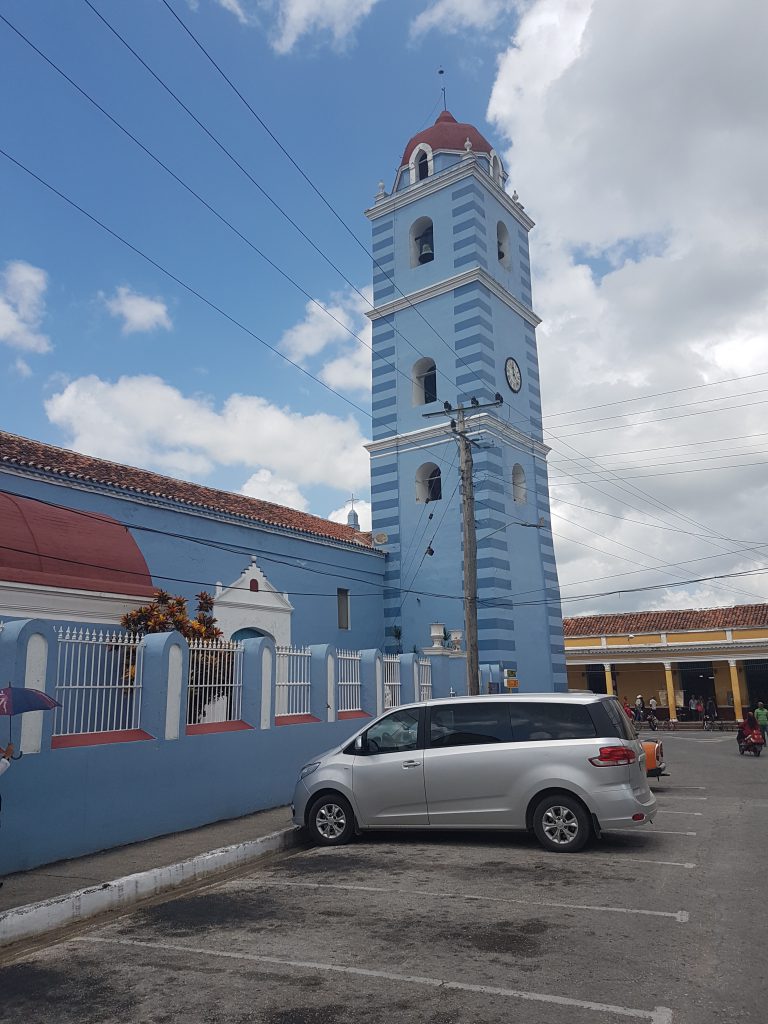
(187, 551)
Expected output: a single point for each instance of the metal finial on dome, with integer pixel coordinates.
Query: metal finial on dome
(353, 519)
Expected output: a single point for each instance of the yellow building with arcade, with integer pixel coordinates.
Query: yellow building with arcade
(673, 656)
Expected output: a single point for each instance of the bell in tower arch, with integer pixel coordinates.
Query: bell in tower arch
(425, 244)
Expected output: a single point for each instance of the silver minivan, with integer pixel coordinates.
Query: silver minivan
(564, 766)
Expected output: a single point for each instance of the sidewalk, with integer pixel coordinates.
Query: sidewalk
(139, 869)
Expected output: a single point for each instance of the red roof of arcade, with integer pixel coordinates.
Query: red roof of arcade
(741, 616)
(448, 133)
(21, 451)
(57, 547)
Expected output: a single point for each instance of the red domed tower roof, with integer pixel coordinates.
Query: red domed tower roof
(448, 133)
(56, 547)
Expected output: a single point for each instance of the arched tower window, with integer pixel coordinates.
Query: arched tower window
(503, 245)
(422, 242)
(424, 376)
(421, 164)
(519, 489)
(429, 486)
(495, 168)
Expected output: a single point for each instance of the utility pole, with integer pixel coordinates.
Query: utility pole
(458, 425)
(470, 554)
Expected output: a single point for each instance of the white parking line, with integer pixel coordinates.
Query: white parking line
(666, 863)
(665, 810)
(655, 831)
(659, 1015)
(682, 916)
(681, 796)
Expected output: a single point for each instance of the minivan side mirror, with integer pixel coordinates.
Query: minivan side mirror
(359, 745)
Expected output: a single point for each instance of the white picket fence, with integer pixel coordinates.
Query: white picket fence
(348, 680)
(215, 686)
(98, 681)
(391, 664)
(425, 679)
(292, 681)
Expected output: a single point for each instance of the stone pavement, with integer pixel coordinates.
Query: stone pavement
(67, 876)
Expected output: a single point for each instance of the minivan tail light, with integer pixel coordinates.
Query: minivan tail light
(610, 757)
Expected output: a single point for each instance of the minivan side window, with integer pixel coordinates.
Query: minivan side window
(551, 721)
(393, 734)
(469, 724)
(617, 725)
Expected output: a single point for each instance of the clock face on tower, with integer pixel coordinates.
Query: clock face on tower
(513, 374)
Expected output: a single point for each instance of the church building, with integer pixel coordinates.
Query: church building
(85, 540)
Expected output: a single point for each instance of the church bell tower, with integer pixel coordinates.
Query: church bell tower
(452, 322)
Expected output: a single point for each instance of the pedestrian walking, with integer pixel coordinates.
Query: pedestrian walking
(639, 708)
(5, 758)
(627, 708)
(761, 716)
(692, 707)
(652, 704)
(5, 763)
(700, 709)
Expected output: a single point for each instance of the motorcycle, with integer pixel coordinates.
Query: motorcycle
(750, 742)
(651, 719)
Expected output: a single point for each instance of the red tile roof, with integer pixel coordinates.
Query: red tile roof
(741, 616)
(447, 133)
(21, 451)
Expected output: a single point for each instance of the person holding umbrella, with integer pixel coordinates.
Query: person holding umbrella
(5, 760)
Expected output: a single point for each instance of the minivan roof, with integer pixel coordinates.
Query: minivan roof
(582, 697)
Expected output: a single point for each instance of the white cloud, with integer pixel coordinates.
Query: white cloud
(236, 8)
(337, 347)
(457, 15)
(298, 18)
(144, 421)
(22, 367)
(22, 306)
(636, 144)
(266, 485)
(363, 509)
(139, 312)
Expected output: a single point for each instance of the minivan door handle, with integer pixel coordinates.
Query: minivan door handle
(411, 764)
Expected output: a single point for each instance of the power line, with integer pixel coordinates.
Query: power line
(181, 283)
(677, 472)
(317, 248)
(666, 408)
(664, 447)
(326, 202)
(659, 394)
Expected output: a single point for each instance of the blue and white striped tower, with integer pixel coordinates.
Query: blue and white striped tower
(452, 320)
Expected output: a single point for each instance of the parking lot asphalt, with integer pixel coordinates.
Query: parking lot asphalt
(666, 924)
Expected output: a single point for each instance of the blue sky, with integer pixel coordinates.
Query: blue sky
(343, 110)
(639, 150)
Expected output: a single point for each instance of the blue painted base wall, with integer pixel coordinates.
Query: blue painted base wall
(70, 802)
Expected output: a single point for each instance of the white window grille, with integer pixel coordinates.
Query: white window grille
(98, 681)
(215, 687)
(425, 679)
(391, 681)
(292, 685)
(348, 678)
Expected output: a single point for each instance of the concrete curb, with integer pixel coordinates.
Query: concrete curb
(35, 919)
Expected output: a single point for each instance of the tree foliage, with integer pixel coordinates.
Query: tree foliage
(167, 613)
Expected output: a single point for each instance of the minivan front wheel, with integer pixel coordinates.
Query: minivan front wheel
(331, 820)
(561, 823)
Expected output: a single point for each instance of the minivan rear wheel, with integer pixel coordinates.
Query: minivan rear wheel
(561, 823)
(331, 820)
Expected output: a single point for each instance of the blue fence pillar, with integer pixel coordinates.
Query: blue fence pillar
(322, 679)
(259, 663)
(410, 690)
(28, 650)
(441, 675)
(457, 675)
(164, 678)
(372, 682)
